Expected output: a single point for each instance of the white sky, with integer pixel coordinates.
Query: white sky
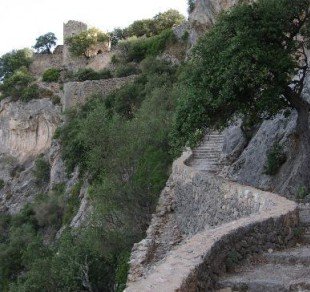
(22, 21)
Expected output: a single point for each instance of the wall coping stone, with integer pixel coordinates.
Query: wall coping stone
(190, 264)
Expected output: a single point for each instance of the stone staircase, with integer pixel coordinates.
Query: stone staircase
(206, 157)
(288, 270)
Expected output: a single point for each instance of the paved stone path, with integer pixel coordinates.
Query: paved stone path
(288, 270)
(206, 157)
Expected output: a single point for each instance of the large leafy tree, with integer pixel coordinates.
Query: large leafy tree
(79, 44)
(251, 65)
(44, 43)
(12, 61)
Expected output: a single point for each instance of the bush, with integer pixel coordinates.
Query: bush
(42, 171)
(20, 86)
(13, 61)
(126, 70)
(80, 43)
(135, 50)
(302, 193)
(51, 75)
(154, 26)
(90, 74)
(275, 159)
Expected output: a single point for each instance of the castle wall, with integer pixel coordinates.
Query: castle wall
(77, 93)
(42, 62)
(70, 29)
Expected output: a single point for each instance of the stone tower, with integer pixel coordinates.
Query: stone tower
(72, 28)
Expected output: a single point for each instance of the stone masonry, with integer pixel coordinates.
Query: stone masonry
(77, 93)
(201, 222)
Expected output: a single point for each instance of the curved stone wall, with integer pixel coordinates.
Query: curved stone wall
(202, 220)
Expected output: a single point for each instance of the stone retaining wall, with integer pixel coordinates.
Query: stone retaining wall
(42, 62)
(77, 93)
(202, 224)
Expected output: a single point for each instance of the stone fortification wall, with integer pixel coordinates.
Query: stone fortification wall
(70, 29)
(77, 93)
(201, 220)
(42, 62)
(98, 55)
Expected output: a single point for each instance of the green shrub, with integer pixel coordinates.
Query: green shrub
(126, 70)
(233, 258)
(135, 50)
(13, 61)
(275, 159)
(42, 171)
(154, 26)
(20, 86)
(302, 193)
(122, 271)
(29, 93)
(90, 74)
(2, 184)
(51, 75)
(78, 44)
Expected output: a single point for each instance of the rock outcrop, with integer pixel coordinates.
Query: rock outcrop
(26, 129)
(204, 15)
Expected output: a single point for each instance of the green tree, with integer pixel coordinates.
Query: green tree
(45, 43)
(20, 86)
(167, 20)
(12, 61)
(244, 67)
(80, 43)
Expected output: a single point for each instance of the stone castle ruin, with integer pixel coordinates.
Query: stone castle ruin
(98, 56)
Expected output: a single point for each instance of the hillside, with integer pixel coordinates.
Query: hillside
(128, 162)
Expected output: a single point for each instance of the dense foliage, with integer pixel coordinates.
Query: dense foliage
(137, 49)
(149, 27)
(120, 143)
(44, 43)
(20, 86)
(51, 75)
(275, 159)
(10, 62)
(243, 68)
(90, 74)
(81, 42)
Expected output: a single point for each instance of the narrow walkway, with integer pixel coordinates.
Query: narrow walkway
(206, 157)
(288, 270)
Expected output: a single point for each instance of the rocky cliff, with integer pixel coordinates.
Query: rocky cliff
(26, 129)
(204, 15)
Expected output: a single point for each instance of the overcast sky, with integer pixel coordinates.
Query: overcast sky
(22, 21)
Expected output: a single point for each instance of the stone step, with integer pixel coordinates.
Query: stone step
(207, 155)
(269, 277)
(208, 149)
(211, 151)
(297, 255)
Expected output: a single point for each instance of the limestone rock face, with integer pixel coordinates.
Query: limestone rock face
(204, 15)
(26, 129)
(248, 168)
